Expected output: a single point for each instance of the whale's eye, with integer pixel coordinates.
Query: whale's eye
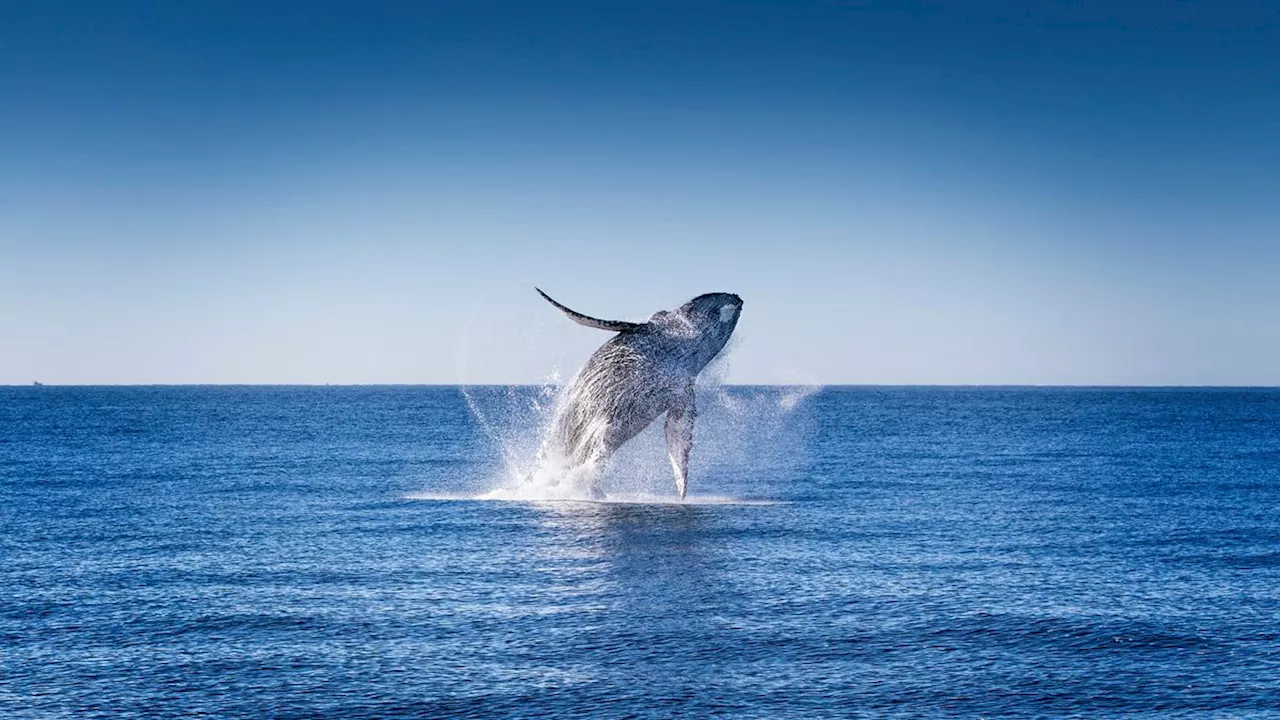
(727, 311)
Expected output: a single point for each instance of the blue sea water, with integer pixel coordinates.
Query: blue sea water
(311, 552)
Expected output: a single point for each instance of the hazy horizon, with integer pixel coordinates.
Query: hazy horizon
(367, 193)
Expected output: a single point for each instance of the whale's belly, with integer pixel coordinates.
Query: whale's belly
(617, 395)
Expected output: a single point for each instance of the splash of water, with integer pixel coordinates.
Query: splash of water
(544, 473)
(739, 432)
(511, 421)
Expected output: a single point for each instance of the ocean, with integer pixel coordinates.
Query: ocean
(847, 552)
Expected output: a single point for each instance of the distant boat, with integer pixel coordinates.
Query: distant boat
(38, 383)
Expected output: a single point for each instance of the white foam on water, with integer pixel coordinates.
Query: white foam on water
(648, 499)
(617, 499)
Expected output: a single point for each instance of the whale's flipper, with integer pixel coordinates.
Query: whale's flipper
(610, 325)
(680, 437)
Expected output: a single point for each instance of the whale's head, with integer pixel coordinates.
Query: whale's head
(704, 324)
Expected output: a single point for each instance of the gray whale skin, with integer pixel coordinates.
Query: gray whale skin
(645, 370)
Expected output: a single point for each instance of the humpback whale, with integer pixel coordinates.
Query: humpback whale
(645, 370)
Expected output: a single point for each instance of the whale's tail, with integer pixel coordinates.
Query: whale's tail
(610, 325)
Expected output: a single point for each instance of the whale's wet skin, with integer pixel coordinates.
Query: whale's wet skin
(646, 371)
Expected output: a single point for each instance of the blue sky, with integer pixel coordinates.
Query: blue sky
(929, 192)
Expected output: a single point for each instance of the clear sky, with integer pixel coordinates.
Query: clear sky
(954, 191)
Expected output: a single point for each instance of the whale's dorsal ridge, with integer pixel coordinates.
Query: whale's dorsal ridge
(588, 321)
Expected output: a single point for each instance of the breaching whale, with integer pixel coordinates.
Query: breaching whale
(644, 371)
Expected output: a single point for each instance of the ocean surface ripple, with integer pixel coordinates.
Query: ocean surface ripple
(317, 552)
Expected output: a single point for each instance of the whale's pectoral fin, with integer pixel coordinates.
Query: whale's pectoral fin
(680, 438)
(610, 325)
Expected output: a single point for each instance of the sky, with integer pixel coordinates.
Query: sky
(948, 192)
